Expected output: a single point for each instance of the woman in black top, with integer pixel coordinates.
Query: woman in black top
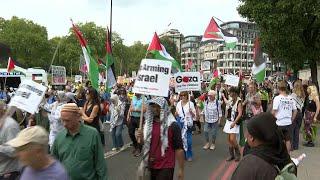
(311, 114)
(91, 109)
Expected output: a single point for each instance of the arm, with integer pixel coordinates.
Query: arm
(275, 106)
(318, 109)
(11, 133)
(180, 159)
(178, 147)
(240, 107)
(93, 114)
(99, 161)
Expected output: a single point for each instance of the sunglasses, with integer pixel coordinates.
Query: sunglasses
(184, 95)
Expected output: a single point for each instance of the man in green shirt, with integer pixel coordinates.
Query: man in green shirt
(79, 147)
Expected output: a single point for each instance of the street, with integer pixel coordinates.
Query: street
(207, 164)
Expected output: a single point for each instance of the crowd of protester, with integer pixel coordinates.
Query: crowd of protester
(263, 118)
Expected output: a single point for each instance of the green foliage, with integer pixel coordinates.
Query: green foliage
(28, 41)
(31, 47)
(289, 29)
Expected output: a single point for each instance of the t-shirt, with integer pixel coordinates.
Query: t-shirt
(136, 103)
(212, 111)
(174, 143)
(284, 105)
(54, 172)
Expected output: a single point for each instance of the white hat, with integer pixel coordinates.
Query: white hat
(34, 134)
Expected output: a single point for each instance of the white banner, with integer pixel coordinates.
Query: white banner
(187, 81)
(28, 96)
(153, 78)
(58, 75)
(78, 78)
(232, 80)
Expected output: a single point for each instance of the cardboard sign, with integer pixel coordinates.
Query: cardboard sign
(28, 96)
(78, 78)
(232, 80)
(153, 78)
(58, 75)
(187, 81)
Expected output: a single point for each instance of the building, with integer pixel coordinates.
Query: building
(175, 35)
(231, 61)
(190, 53)
(208, 55)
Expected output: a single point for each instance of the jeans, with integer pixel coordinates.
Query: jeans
(295, 130)
(116, 135)
(188, 153)
(134, 124)
(210, 128)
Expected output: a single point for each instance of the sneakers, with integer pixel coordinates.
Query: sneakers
(309, 144)
(114, 149)
(206, 147)
(212, 147)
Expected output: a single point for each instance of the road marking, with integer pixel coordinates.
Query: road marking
(218, 171)
(229, 171)
(112, 153)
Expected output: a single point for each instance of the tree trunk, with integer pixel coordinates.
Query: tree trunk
(314, 73)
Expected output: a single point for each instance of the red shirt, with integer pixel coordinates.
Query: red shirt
(174, 143)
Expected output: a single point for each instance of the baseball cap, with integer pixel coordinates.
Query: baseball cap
(70, 97)
(34, 134)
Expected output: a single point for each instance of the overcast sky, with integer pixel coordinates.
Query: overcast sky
(134, 20)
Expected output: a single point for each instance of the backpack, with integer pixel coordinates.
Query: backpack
(287, 173)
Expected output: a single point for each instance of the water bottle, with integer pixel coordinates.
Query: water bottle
(298, 160)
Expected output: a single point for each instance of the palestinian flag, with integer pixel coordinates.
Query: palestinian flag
(214, 79)
(158, 51)
(259, 65)
(91, 63)
(111, 80)
(214, 32)
(11, 65)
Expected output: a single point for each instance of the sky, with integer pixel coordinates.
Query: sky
(134, 20)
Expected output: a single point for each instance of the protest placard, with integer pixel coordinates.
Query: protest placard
(232, 80)
(78, 78)
(58, 75)
(187, 81)
(28, 96)
(153, 78)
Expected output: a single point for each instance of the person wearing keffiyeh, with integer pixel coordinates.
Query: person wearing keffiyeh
(162, 141)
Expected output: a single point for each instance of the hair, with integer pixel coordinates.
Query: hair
(82, 93)
(282, 86)
(253, 83)
(298, 89)
(184, 93)
(234, 90)
(94, 96)
(313, 92)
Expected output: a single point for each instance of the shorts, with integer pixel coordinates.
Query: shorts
(286, 131)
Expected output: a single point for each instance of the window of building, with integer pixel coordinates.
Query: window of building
(238, 55)
(230, 56)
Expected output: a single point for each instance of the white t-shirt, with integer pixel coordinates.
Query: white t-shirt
(284, 105)
(212, 111)
(184, 112)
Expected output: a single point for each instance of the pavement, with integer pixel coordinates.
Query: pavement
(309, 168)
(207, 164)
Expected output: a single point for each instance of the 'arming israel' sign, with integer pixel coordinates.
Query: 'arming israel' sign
(153, 78)
(28, 96)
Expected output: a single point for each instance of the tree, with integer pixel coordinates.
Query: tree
(171, 47)
(28, 41)
(289, 30)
